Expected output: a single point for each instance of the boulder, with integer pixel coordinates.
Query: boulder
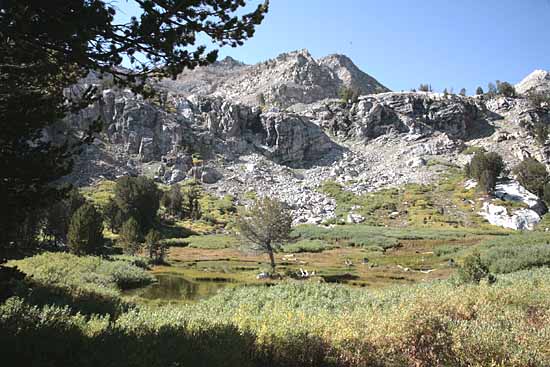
(522, 219)
(210, 175)
(355, 218)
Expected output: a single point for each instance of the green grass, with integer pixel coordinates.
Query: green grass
(89, 285)
(372, 237)
(99, 193)
(214, 241)
(307, 246)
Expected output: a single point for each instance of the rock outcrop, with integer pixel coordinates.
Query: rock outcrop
(519, 218)
(537, 81)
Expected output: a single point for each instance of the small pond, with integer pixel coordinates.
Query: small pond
(172, 287)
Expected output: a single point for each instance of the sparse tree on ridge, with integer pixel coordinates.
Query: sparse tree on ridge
(463, 92)
(491, 89)
(506, 89)
(425, 88)
(265, 226)
(479, 91)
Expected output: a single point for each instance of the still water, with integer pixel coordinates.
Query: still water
(170, 287)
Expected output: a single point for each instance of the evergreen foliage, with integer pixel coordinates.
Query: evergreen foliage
(138, 198)
(506, 89)
(85, 235)
(155, 247)
(485, 168)
(532, 175)
(58, 216)
(130, 237)
(172, 200)
(192, 193)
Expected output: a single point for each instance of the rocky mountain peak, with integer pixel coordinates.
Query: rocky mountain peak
(537, 81)
(290, 78)
(229, 62)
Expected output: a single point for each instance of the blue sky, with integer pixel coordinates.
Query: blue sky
(404, 43)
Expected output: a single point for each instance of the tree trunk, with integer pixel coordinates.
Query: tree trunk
(271, 259)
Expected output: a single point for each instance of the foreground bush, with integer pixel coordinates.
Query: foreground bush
(83, 271)
(300, 324)
(90, 285)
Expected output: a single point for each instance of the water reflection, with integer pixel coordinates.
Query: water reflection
(171, 287)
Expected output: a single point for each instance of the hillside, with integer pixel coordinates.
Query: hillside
(210, 124)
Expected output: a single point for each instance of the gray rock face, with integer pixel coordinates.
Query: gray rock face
(412, 113)
(293, 140)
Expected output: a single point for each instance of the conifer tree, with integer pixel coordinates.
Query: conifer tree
(85, 236)
(130, 237)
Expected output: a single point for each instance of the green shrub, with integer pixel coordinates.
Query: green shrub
(83, 272)
(532, 175)
(485, 168)
(474, 270)
(507, 259)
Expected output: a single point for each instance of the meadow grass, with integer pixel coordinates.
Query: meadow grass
(307, 246)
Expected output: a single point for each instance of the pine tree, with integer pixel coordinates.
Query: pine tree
(157, 250)
(479, 91)
(113, 215)
(485, 168)
(506, 89)
(192, 193)
(265, 226)
(58, 216)
(85, 236)
(463, 92)
(532, 175)
(173, 201)
(130, 237)
(139, 198)
(491, 89)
